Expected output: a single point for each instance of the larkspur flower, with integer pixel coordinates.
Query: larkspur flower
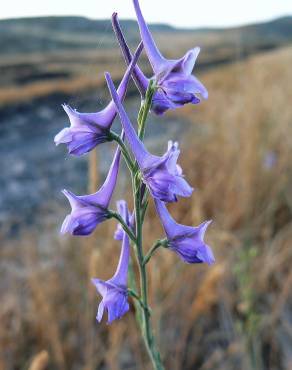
(173, 78)
(160, 102)
(90, 210)
(186, 241)
(87, 130)
(162, 175)
(114, 291)
(123, 210)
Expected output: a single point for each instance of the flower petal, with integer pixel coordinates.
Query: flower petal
(154, 55)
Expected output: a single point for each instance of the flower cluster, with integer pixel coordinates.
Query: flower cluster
(171, 86)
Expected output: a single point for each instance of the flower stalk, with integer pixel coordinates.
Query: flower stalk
(158, 177)
(128, 231)
(124, 150)
(140, 210)
(159, 243)
(145, 109)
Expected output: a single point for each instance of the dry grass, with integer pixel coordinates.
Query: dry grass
(85, 70)
(235, 315)
(35, 90)
(40, 361)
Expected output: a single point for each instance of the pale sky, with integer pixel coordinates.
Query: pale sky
(183, 13)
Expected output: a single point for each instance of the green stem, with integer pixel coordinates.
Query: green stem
(145, 108)
(132, 293)
(144, 209)
(145, 203)
(156, 245)
(139, 216)
(118, 217)
(140, 206)
(124, 150)
(146, 330)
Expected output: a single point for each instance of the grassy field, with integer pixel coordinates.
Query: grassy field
(234, 315)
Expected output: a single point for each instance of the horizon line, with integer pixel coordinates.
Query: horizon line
(210, 27)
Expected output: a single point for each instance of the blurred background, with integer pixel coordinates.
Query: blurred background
(236, 151)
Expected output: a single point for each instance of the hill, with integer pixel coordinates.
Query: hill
(28, 35)
(53, 33)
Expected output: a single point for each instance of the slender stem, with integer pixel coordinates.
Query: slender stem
(156, 245)
(146, 331)
(144, 202)
(119, 218)
(133, 287)
(145, 108)
(125, 152)
(135, 295)
(144, 209)
(139, 215)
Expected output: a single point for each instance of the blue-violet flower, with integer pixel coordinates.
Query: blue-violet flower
(160, 102)
(90, 129)
(161, 174)
(114, 291)
(90, 210)
(173, 77)
(186, 241)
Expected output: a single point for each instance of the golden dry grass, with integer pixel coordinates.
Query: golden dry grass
(234, 315)
(40, 361)
(85, 69)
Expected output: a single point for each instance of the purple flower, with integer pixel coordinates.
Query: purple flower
(162, 175)
(90, 129)
(90, 210)
(186, 241)
(123, 210)
(114, 291)
(176, 84)
(160, 102)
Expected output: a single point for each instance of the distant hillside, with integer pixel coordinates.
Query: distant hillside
(53, 33)
(273, 33)
(278, 30)
(67, 33)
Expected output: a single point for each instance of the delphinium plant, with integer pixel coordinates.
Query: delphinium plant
(160, 178)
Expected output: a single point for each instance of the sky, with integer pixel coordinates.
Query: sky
(181, 13)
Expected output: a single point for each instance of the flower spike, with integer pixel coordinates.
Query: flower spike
(161, 177)
(161, 174)
(186, 241)
(90, 210)
(87, 130)
(114, 291)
